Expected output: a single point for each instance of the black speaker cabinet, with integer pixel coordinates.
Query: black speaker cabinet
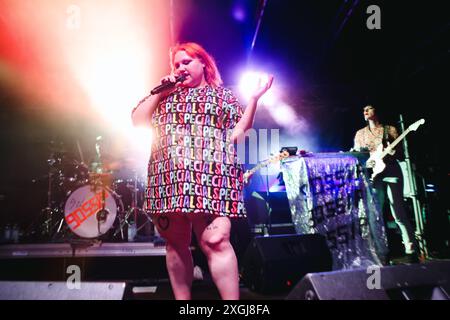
(427, 281)
(41, 290)
(276, 263)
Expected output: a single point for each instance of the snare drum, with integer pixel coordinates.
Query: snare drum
(90, 212)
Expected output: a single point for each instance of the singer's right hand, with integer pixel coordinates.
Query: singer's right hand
(169, 78)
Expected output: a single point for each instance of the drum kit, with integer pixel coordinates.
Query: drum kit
(88, 202)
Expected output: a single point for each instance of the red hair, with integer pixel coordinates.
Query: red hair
(212, 75)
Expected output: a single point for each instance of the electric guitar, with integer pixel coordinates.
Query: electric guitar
(375, 160)
(282, 155)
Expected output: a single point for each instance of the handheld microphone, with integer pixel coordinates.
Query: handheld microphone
(168, 84)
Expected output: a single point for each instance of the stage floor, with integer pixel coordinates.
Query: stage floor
(140, 265)
(81, 249)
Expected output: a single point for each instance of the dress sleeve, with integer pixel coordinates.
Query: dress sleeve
(232, 109)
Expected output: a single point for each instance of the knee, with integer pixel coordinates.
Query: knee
(216, 242)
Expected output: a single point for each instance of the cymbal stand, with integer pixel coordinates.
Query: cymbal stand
(48, 210)
(122, 222)
(134, 210)
(141, 210)
(134, 201)
(43, 226)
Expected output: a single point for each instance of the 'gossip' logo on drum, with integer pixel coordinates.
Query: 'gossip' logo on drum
(88, 208)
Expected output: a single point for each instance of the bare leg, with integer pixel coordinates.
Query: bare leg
(213, 234)
(176, 229)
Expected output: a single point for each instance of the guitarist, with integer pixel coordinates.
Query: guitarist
(389, 183)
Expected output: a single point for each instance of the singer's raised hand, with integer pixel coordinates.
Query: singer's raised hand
(263, 86)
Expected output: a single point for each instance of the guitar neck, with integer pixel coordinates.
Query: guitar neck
(396, 141)
(264, 163)
(259, 166)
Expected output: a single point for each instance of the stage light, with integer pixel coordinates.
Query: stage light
(239, 13)
(139, 149)
(113, 81)
(431, 188)
(87, 63)
(250, 81)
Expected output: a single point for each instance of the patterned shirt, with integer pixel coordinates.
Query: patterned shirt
(372, 138)
(193, 166)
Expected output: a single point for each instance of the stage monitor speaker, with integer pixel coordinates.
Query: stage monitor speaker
(426, 281)
(276, 263)
(39, 290)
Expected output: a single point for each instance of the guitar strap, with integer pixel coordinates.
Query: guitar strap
(398, 154)
(385, 136)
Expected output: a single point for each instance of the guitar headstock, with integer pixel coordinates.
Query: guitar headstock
(416, 125)
(283, 154)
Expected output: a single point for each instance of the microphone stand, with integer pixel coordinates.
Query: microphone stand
(268, 227)
(413, 196)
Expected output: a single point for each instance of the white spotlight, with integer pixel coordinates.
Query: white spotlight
(250, 81)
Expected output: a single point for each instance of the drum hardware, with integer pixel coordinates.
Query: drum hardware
(131, 216)
(131, 190)
(72, 192)
(135, 206)
(44, 226)
(101, 215)
(60, 225)
(85, 202)
(101, 218)
(91, 210)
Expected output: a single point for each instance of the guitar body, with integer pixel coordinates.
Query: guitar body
(376, 162)
(376, 159)
(247, 176)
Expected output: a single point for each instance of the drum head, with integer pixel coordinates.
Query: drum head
(84, 214)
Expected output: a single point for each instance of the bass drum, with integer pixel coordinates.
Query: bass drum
(84, 212)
